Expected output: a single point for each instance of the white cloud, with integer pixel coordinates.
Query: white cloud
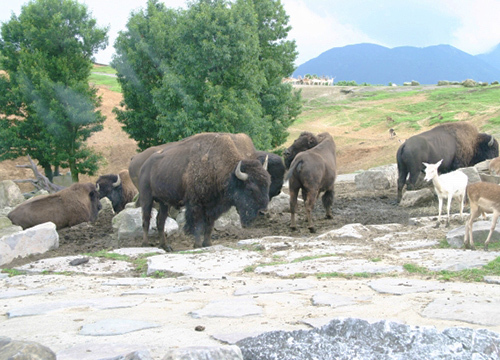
(316, 33)
(479, 30)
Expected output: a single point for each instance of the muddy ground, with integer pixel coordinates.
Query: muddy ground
(350, 206)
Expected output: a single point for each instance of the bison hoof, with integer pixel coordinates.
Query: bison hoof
(312, 230)
(207, 243)
(329, 216)
(438, 224)
(293, 228)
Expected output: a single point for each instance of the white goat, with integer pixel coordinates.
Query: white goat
(483, 197)
(448, 185)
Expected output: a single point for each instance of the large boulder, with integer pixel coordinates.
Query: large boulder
(10, 194)
(379, 178)
(127, 225)
(24, 350)
(417, 197)
(480, 231)
(35, 240)
(7, 228)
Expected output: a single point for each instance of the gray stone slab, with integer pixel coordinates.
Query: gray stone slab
(99, 303)
(272, 288)
(13, 293)
(95, 266)
(475, 310)
(111, 327)
(208, 264)
(480, 231)
(335, 264)
(400, 286)
(134, 252)
(228, 352)
(229, 308)
(93, 351)
(127, 282)
(492, 279)
(335, 300)
(159, 290)
(449, 259)
(234, 337)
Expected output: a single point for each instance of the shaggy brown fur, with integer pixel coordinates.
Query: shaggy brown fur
(68, 207)
(118, 188)
(305, 141)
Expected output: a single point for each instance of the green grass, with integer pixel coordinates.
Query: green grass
(434, 107)
(105, 80)
(104, 69)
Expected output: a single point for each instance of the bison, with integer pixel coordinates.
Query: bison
(65, 208)
(276, 169)
(118, 188)
(275, 165)
(458, 144)
(314, 171)
(305, 141)
(207, 174)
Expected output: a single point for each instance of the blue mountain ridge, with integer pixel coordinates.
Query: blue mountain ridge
(376, 64)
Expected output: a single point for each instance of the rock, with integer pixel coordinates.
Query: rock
(106, 204)
(490, 178)
(480, 231)
(36, 240)
(358, 339)
(6, 227)
(136, 355)
(230, 218)
(472, 174)
(417, 197)
(128, 224)
(379, 178)
(10, 194)
(228, 352)
(24, 350)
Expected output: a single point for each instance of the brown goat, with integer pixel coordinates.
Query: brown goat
(483, 197)
(494, 166)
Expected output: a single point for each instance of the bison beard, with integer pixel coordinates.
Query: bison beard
(202, 174)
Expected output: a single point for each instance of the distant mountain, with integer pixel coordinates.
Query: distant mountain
(375, 64)
(492, 58)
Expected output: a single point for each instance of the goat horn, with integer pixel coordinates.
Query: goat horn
(492, 141)
(118, 182)
(239, 174)
(265, 162)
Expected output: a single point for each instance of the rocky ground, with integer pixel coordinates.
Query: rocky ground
(254, 280)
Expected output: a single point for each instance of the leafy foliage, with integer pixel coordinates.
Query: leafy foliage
(216, 66)
(47, 107)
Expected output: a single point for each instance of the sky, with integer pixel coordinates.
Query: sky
(319, 25)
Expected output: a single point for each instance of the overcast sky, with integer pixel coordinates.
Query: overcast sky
(472, 26)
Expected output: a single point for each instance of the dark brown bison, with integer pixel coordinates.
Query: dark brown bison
(68, 207)
(118, 188)
(275, 165)
(314, 171)
(275, 168)
(207, 173)
(305, 141)
(458, 144)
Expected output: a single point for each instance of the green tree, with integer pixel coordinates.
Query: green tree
(216, 66)
(47, 107)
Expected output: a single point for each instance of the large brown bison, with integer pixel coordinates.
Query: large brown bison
(314, 171)
(458, 144)
(68, 207)
(275, 165)
(118, 188)
(305, 141)
(207, 173)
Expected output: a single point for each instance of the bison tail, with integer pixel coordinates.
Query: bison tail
(295, 166)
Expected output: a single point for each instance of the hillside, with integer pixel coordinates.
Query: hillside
(375, 64)
(359, 118)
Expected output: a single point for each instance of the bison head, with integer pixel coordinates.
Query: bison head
(304, 142)
(249, 189)
(110, 186)
(486, 148)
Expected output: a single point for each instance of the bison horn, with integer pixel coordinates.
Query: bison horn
(97, 187)
(118, 182)
(239, 174)
(265, 162)
(492, 141)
